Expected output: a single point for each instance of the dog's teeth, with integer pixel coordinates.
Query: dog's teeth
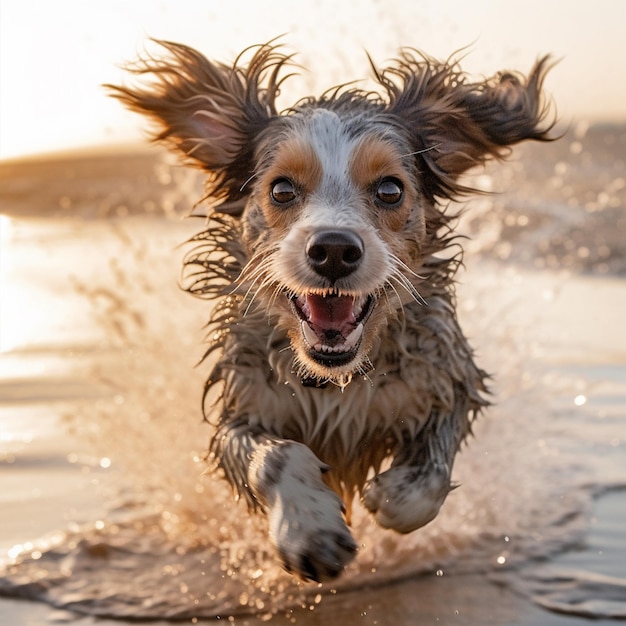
(353, 337)
(358, 306)
(309, 334)
(301, 303)
(314, 341)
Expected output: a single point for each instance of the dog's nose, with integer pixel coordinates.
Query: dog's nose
(334, 253)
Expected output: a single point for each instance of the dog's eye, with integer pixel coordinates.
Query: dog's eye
(283, 191)
(389, 192)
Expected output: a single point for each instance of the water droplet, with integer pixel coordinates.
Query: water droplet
(580, 400)
(576, 147)
(65, 202)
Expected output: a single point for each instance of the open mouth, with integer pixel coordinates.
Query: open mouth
(332, 324)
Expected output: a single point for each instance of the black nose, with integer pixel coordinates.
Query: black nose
(334, 253)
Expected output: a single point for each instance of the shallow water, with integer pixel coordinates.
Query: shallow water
(106, 510)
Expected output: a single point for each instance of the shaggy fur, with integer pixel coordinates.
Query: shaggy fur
(339, 363)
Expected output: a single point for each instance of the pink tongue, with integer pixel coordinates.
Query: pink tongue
(330, 312)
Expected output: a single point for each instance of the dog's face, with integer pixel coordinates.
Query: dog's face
(336, 198)
(333, 226)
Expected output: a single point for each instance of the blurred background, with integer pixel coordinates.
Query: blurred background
(55, 55)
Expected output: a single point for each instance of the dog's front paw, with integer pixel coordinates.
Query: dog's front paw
(306, 522)
(406, 498)
(309, 532)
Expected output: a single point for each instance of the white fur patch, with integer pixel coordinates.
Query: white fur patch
(406, 498)
(306, 523)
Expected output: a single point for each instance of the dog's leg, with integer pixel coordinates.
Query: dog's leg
(306, 522)
(411, 492)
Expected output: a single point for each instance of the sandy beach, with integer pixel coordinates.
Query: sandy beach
(105, 516)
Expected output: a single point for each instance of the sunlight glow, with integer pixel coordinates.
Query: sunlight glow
(15, 314)
(20, 315)
(7, 309)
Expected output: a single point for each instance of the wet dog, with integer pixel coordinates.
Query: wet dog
(338, 358)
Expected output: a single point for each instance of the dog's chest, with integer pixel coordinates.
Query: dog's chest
(323, 417)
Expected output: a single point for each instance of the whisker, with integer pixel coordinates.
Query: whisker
(398, 261)
(253, 267)
(434, 147)
(247, 181)
(256, 272)
(246, 275)
(249, 306)
(255, 276)
(278, 290)
(365, 368)
(250, 301)
(403, 280)
(408, 286)
(253, 272)
(391, 285)
(267, 282)
(391, 309)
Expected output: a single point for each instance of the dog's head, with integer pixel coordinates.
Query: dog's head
(337, 197)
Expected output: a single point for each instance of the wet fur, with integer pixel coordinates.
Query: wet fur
(296, 437)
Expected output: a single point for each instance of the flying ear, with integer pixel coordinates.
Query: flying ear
(208, 112)
(456, 124)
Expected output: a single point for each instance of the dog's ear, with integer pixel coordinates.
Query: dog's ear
(209, 112)
(455, 124)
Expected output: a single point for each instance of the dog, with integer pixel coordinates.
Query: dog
(330, 256)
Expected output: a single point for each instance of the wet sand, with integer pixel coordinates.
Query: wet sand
(83, 235)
